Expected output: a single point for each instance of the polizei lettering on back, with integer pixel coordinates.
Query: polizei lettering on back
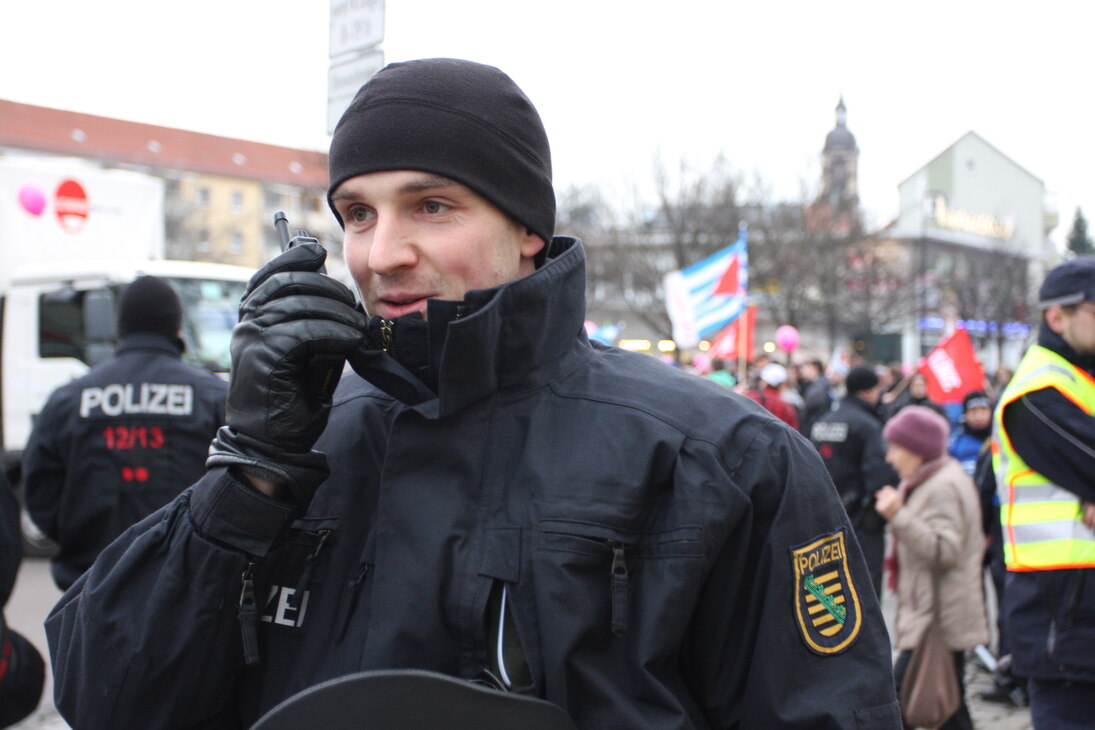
(830, 431)
(154, 398)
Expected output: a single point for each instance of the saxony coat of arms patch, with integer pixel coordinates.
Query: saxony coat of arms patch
(826, 601)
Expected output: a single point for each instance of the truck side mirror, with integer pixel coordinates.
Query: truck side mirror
(100, 325)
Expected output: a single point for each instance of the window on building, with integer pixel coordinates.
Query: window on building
(235, 244)
(204, 245)
(203, 198)
(237, 202)
(272, 200)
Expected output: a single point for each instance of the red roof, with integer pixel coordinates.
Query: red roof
(62, 132)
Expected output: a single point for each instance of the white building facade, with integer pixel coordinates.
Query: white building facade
(975, 226)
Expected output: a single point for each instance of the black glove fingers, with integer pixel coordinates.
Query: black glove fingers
(305, 257)
(290, 284)
(304, 309)
(323, 337)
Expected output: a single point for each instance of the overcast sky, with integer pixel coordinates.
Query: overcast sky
(617, 83)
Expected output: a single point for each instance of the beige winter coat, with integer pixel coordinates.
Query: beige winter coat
(939, 540)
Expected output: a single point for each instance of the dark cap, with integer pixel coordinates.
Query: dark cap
(462, 120)
(149, 304)
(976, 399)
(1069, 283)
(860, 378)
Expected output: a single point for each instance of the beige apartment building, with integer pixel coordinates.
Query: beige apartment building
(220, 194)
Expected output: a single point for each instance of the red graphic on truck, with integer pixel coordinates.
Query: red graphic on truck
(70, 202)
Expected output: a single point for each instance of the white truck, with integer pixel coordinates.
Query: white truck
(72, 234)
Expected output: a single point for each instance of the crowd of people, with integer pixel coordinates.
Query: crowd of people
(442, 473)
(924, 479)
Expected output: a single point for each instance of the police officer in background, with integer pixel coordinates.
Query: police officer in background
(1044, 458)
(113, 446)
(22, 671)
(849, 440)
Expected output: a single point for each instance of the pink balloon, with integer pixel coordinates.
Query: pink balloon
(32, 199)
(787, 338)
(702, 362)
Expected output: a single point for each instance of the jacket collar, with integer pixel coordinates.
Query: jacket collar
(856, 401)
(1050, 340)
(514, 337)
(149, 341)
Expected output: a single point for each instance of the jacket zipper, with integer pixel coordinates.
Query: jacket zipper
(248, 616)
(619, 587)
(309, 563)
(619, 578)
(354, 589)
(1051, 633)
(386, 340)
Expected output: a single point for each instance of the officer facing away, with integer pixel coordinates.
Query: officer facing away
(112, 447)
(488, 495)
(1044, 458)
(849, 439)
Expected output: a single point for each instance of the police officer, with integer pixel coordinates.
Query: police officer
(110, 448)
(1044, 458)
(849, 440)
(488, 495)
(22, 671)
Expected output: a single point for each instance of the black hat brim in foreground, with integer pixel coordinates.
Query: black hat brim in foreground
(411, 700)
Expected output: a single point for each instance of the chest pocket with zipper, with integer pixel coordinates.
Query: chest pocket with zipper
(613, 574)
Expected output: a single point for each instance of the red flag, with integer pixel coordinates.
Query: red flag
(952, 369)
(728, 282)
(726, 343)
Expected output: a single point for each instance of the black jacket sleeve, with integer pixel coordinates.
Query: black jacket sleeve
(1055, 438)
(749, 656)
(44, 466)
(150, 636)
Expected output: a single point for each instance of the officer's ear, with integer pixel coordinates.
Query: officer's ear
(1056, 318)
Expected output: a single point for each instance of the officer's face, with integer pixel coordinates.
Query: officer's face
(1075, 325)
(413, 236)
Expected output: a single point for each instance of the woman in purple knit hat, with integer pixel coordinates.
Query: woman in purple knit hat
(937, 546)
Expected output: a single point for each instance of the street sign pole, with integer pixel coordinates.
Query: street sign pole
(357, 29)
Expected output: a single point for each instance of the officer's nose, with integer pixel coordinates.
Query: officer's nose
(393, 246)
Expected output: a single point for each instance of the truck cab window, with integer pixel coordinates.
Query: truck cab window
(61, 324)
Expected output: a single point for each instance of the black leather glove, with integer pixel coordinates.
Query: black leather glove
(297, 327)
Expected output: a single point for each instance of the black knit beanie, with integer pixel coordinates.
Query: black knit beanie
(859, 379)
(149, 304)
(458, 119)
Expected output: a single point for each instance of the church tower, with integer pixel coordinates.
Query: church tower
(839, 160)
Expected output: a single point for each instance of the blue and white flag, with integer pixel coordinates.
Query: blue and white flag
(703, 298)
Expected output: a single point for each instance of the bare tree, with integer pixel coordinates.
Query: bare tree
(788, 261)
(878, 293)
(696, 215)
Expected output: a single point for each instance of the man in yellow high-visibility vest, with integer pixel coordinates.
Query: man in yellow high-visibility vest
(1044, 459)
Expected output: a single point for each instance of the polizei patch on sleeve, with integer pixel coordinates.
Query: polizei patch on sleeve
(826, 601)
